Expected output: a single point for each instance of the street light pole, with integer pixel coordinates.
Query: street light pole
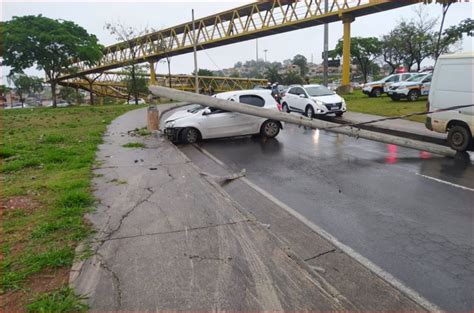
(256, 47)
(196, 79)
(265, 55)
(326, 44)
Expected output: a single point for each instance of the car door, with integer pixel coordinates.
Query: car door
(425, 85)
(300, 101)
(248, 124)
(389, 82)
(217, 123)
(292, 98)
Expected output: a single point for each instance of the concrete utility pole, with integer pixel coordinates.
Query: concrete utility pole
(298, 120)
(196, 79)
(326, 46)
(256, 57)
(265, 55)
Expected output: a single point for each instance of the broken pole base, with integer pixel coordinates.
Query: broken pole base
(153, 118)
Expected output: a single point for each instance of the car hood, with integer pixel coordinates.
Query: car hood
(180, 115)
(328, 99)
(406, 84)
(378, 82)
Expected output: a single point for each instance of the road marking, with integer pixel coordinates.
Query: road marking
(446, 182)
(412, 294)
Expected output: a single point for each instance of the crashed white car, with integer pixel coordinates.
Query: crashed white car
(199, 122)
(313, 100)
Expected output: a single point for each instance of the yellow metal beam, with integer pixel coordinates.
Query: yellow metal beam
(247, 22)
(346, 54)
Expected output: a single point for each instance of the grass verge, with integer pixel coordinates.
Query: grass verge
(134, 145)
(47, 157)
(384, 106)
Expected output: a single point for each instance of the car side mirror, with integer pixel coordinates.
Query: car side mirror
(302, 95)
(206, 112)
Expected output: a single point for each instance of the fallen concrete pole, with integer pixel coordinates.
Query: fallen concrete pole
(299, 120)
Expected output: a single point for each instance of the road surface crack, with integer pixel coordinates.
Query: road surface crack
(319, 255)
(115, 278)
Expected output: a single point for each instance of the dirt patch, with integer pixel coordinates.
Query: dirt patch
(49, 280)
(26, 203)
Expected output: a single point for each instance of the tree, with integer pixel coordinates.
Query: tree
(25, 85)
(391, 53)
(48, 44)
(464, 27)
(302, 62)
(126, 34)
(292, 78)
(71, 95)
(204, 72)
(271, 74)
(445, 5)
(136, 82)
(364, 52)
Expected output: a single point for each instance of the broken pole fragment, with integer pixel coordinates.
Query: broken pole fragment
(299, 120)
(153, 118)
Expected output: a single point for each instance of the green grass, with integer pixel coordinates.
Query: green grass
(62, 300)
(134, 145)
(384, 106)
(48, 155)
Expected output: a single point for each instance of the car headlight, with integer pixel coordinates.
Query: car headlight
(170, 124)
(319, 102)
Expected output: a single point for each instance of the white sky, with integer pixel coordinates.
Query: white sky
(92, 15)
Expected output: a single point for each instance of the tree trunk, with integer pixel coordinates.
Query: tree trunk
(169, 70)
(91, 94)
(22, 100)
(418, 65)
(53, 92)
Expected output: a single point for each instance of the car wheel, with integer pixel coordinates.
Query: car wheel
(309, 112)
(459, 138)
(270, 129)
(190, 135)
(339, 114)
(285, 108)
(377, 92)
(413, 95)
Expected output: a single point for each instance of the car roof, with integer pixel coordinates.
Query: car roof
(312, 85)
(243, 92)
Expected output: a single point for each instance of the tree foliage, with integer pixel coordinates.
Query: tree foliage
(271, 73)
(25, 85)
(71, 95)
(364, 52)
(291, 78)
(136, 82)
(48, 44)
(204, 72)
(302, 62)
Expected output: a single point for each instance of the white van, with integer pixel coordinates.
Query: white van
(452, 85)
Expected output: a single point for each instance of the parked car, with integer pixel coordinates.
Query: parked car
(16, 105)
(412, 89)
(201, 122)
(313, 100)
(452, 86)
(132, 101)
(377, 88)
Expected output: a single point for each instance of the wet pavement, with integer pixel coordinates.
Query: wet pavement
(409, 212)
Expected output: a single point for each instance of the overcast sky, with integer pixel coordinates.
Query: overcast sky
(93, 15)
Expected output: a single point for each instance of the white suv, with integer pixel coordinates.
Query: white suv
(313, 100)
(201, 122)
(377, 88)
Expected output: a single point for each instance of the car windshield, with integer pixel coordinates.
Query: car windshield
(318, 91)
(196, 108)
(416, 78)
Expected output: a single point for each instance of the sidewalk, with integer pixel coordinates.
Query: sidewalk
(169, 239)
(400, 126)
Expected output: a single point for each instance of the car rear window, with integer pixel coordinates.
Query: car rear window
(252, 100)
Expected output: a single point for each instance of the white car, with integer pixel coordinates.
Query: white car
(412, 89)
(202, 122)
(452, 87)
(377, 88)
(313, 100)
(132, 101)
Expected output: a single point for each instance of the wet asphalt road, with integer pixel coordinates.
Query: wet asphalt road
(409, 212)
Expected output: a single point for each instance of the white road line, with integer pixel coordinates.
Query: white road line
(412, 294)
(445, 182)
